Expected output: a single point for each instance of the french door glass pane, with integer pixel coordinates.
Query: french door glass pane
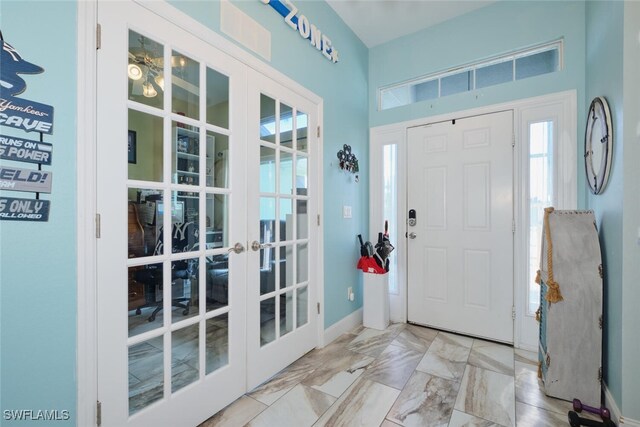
(184, 289)
(286, 173)
(143, 231)
(185, 158)
(144, 147)
(267, 170)
(302, 270)
(217, 172)
(145, 75)
(267, 270)
(217, 221)
(302, 222)
(185, 366)
(302, 128)
(267, 119)
(302, 302)
(217, 282)
(286, 313)
(146, 377)
(145, 298)
(217, 99)
(267, 321)
(217, 350)
(185, 225)
(286, 126)
(301, 175)
(185, 86)
(286, 219)
(286, 266)
(267, 219)
(540, 197)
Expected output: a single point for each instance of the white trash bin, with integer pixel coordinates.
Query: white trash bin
(376, 301)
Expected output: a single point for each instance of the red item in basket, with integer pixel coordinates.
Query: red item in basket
(369, 265)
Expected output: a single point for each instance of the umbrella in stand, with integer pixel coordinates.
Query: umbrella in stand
(367, 263)
(383, 248)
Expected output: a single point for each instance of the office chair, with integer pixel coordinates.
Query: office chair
(184, 238)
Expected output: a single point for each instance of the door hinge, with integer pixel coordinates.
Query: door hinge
(318, 305)
(318, 133)
(98, 413)
(513, 226)
(98, 37)
(600, 374)
(318, 219)
(513, 312)
(513, 140)
(97, 226)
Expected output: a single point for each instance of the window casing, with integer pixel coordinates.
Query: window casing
(525, 63)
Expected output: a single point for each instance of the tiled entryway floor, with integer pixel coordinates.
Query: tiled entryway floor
(406, 375)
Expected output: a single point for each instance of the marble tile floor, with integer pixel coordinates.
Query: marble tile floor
(406, 375)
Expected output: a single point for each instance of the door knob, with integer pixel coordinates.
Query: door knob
(412, 235)
(255, 245)
(237, 248)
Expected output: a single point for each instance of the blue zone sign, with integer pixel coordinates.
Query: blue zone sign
(301, 24)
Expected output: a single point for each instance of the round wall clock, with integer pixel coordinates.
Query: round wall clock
(598, 144)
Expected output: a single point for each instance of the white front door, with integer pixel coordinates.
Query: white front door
(186, 322)
(460, 250)
(282, 291)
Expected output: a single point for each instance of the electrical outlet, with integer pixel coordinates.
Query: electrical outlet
(350, 295)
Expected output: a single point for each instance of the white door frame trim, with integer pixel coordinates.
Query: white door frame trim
(567, 198)
(86, 348)
(86, 211)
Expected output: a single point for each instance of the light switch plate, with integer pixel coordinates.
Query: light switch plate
(346, 211)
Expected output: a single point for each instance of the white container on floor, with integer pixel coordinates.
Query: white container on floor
(376, 301)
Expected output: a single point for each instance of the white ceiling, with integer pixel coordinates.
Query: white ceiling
(378, 21)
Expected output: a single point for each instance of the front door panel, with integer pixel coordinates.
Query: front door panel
(460, 183)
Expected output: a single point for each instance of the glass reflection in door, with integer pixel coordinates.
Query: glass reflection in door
(178, 268)
(283, 219)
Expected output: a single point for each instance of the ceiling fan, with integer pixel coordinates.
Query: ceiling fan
(145, 71)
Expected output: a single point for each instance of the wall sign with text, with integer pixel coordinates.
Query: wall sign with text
(304, 27)
(27, 116)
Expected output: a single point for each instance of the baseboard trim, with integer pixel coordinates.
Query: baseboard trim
(348, 323)
(616, 415)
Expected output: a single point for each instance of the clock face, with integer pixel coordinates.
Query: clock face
(598, 144)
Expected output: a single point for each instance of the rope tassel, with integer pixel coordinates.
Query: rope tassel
(553, 294)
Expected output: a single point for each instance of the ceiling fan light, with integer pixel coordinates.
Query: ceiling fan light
(148, 90)
(134, 71)
(160, 81)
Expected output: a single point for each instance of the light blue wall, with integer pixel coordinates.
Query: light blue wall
(38, 276)
(343, 87)
(604, 78)
(631, 216)
(500, 28)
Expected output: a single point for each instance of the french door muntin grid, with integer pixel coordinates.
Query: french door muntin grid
(169, 192)
(276, 244)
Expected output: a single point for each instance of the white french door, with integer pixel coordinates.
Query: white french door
(282, 317)
(460, 250)
(189, 316)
